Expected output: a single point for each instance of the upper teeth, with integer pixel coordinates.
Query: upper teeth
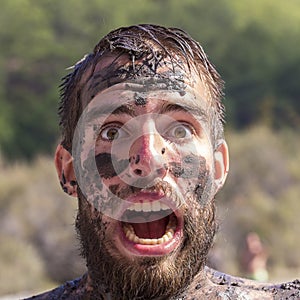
(148, 206)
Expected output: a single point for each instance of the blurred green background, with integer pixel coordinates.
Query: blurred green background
(256, 48)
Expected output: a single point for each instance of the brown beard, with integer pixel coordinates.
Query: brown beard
(145, 278)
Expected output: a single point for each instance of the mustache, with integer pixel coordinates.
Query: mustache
(156, 186)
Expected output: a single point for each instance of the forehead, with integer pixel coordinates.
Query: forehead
(134, 98)
(106, 90)
(143, 80)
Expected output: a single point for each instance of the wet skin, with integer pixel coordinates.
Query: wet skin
(145, 141)
(154, 147)
(137, 145)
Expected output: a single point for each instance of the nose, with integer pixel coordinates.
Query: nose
(146, 156)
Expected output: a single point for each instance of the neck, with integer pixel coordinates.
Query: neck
(94, 290)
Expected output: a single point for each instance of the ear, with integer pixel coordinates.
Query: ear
(221, 157)
(64, 166)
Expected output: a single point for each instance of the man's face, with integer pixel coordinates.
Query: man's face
(145, 165)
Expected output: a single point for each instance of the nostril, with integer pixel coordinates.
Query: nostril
(138, 172)
(163, 150)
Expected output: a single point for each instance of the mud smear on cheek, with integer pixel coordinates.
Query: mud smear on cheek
(192, 166)
(109, 166)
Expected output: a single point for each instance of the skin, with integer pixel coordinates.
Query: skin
(157, 155)
(154, 144)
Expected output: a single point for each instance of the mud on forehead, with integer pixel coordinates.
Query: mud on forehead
(152, 71)
(138, 93)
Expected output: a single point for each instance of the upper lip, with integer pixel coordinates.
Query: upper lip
(145, 196)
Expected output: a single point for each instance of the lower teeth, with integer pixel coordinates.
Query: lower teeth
(168, 235)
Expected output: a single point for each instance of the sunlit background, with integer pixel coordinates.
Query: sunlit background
(256, 48)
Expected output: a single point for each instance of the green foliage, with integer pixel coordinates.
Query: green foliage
(255, 45)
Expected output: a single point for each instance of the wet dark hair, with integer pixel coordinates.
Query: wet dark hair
(151, 43)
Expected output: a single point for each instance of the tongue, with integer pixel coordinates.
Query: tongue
(151, 230)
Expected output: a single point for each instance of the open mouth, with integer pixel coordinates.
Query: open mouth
(151, 233)
(151, 228)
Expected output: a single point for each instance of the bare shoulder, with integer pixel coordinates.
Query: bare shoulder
(222, 286)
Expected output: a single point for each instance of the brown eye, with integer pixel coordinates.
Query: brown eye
(111, 133)
(180, 131)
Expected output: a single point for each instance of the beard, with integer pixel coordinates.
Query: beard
(145, 278)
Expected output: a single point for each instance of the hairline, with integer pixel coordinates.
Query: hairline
(202, 66)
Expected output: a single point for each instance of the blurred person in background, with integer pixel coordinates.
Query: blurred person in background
(254, 258)
(143, 150)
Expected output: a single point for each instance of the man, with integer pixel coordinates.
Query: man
(143, 150)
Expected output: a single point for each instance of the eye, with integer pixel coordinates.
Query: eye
(179, 131)
(112, 132)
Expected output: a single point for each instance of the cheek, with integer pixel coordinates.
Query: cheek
(109, 166)
(192, 175)
(101, 147)
(189, 167)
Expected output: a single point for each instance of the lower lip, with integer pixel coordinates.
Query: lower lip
(152, 250)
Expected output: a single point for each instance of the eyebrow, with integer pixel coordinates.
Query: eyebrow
(124, 109)
(165, 108)
(193, 110)
(106, 110)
